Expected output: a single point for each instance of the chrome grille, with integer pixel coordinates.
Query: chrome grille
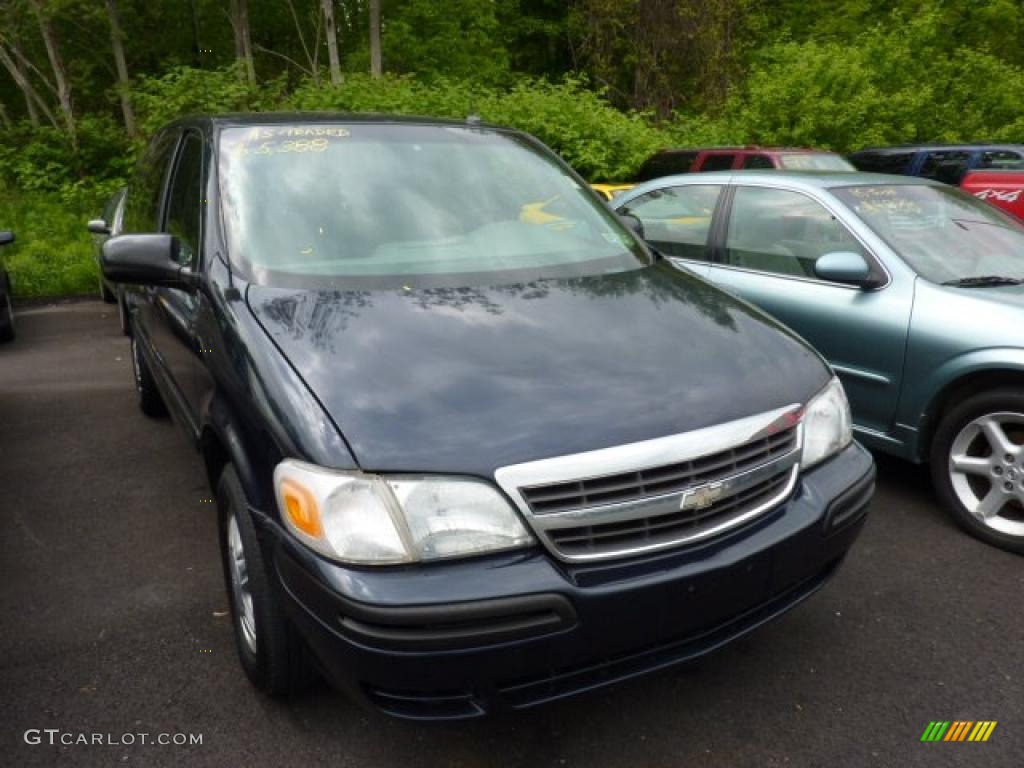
(579, 494)
(660, 493)
(645, 531)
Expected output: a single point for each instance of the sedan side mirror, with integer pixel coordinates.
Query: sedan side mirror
(98, 227)
(844, 267)
(146, 260)
(6, 238)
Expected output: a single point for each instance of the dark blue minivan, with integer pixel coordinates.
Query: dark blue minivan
(467, 456)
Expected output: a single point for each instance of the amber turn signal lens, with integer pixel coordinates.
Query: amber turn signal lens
(302, 509)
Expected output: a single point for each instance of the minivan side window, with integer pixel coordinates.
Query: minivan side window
(948, 167)
(888, 162)
(666, 164)
(757, 161)
(184, 201)
(677, 220)
(1001, 159)
(142, 211)
(783, 232)
(717, 162)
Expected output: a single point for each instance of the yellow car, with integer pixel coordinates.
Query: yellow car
(610, 191)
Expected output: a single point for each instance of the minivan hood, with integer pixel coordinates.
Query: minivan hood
(467, 380)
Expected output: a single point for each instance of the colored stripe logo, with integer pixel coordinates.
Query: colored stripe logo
(958, 730)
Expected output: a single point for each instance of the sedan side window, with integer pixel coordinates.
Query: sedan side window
(184, 208)
(677, 220)
(783, 232)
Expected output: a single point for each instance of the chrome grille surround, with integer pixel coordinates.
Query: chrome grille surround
(696, 508)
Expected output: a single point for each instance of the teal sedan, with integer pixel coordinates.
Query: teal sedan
(912, 290)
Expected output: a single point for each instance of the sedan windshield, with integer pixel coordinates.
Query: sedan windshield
(943, 233)
(369, 204)
(813, 161)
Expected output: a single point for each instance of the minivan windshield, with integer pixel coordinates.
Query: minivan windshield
(813, 161)
(944, 234)
(372, 204)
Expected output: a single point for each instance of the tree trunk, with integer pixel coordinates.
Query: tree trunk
(17, 71)
(117, 41)
(243, 41)
(4, 117)
(332, 41)
(32, 98)
(376, 68)
(60, 75)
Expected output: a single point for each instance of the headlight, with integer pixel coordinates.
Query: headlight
(375, 519)
(827, 425)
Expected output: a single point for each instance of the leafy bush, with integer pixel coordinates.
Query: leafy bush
(53, 252)
(895, 83)
(597, 139)
(188, 91)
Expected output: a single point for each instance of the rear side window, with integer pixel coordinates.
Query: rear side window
(142, 213)
(889, 162)
(948, 167)
(677, 220)
(717, 162)
(757, 161)
(1001, 159)
(184, 205)
(666, 164)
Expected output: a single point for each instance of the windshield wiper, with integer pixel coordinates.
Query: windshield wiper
(984, 281)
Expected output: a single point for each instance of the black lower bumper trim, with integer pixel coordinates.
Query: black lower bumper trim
(456, 625)
(851, 505)
(529, 693)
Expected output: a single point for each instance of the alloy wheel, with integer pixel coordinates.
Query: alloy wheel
(986, 469)
(241, 593)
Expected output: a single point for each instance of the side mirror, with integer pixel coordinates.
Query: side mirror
(632, 223)
(98, 227)
(6, 238)
(844, 267)
(146, 260)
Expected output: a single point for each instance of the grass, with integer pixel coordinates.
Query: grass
(53, 252)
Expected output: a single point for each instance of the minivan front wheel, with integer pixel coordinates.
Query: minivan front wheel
(977, 466)
(273, 656)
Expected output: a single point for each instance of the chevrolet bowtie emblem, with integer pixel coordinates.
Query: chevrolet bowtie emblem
(701, 498)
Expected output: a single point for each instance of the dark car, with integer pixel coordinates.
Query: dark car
(669, 162)
(466, 459)
(105, 228)
(947, 163)
(6, 310)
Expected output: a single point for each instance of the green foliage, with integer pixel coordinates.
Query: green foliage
(598, 140)
(52, 255)
(459, 38)
(894, 83)
(188, 91)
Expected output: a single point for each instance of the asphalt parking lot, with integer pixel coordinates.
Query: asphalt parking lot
(114, 620)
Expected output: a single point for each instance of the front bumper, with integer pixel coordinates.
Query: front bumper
(457, 640)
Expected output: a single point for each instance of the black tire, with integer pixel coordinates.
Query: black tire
(105, 293)
(276, 661)
(150, 401)
(6, 316)
(122, 313)
(1011, 474)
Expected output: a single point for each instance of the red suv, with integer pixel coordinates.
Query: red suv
(669, 162)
